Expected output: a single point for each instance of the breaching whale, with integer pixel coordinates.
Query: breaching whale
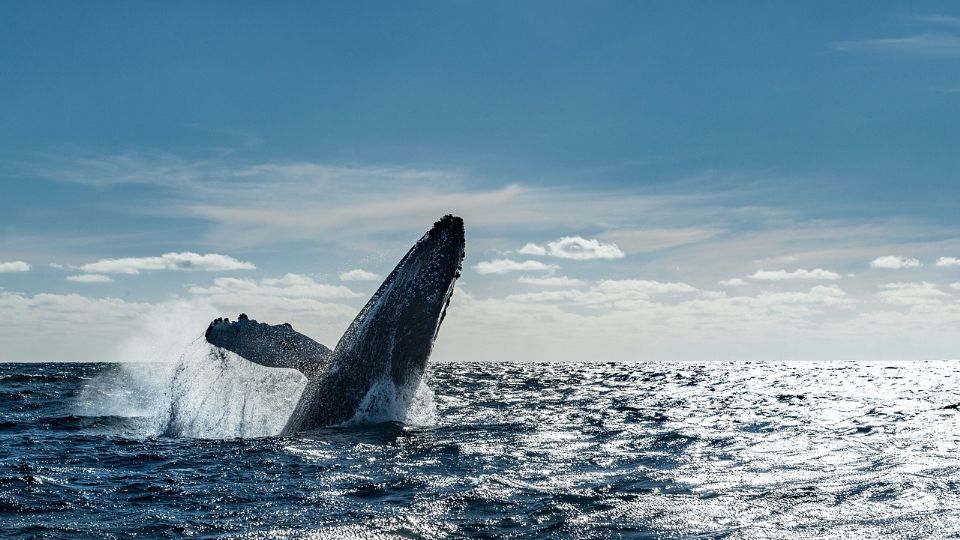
(390, 340)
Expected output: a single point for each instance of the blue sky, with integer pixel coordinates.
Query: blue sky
(683, 147)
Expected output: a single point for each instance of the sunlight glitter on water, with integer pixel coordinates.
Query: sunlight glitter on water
(734, 450)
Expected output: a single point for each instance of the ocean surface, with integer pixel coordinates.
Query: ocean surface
(489, 450)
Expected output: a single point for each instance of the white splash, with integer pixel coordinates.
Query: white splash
(387, 402)
(215, 393)
(177, 384)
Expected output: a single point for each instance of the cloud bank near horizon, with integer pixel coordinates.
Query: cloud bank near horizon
(672, 274)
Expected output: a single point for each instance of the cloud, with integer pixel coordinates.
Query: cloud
(532, 249)
(911, 293)
(656, 238)
(15, 266)
(551, 281)
(248, 204)
(320, 310)
(210, 262)
(609, 292)
(929, 44)
(955, 286)
(358, 275)
(578, 248)
(936, 19)
(90, 278)
(895, 262)
(948, 261)
(64, 327)
(733, 282)
(800, 273)
(73, 327)
(575, 247)
(502, 266)
(645, 319)
(288, 286)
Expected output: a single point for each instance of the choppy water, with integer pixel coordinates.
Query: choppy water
(656, 450)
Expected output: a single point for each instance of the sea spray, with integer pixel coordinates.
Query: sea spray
(176, 384)
(387, 402)
(216, 394)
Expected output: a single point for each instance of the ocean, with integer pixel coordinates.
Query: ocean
(493, 450)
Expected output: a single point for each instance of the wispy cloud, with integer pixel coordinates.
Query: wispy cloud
(15, 266)
(502, 266)
(210, 262)
(633, 240)
(358, 275)
(948, 261)
(288, 286)
(930, 44)
(249, 204)
(895, 262)
(936, 19)
(911, 293)
(551, 281)
(90, 278)
(800, 273)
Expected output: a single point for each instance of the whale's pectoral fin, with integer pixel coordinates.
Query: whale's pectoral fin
(278, 346)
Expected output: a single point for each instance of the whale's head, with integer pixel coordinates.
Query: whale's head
(395, 331)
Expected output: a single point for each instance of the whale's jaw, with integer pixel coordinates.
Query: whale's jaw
(393, 335)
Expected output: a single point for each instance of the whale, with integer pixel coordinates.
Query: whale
(389, 341)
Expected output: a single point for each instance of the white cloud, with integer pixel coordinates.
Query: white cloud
(955, 286)
(15, 266)
(288, 286)
(90, 278)
(800, 273)
(895, 262)
(532, 249)
(319, 310)
(502, 266)
(358, 275)
(72, 327)
(551, 281)
(581, 249)
(608, 292)
(210, 262)
(733, 282)
(911, 293)
(574, 247)
(64, 327)
(948, 261)
(643, 287)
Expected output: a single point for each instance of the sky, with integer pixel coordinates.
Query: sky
(640, 181)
